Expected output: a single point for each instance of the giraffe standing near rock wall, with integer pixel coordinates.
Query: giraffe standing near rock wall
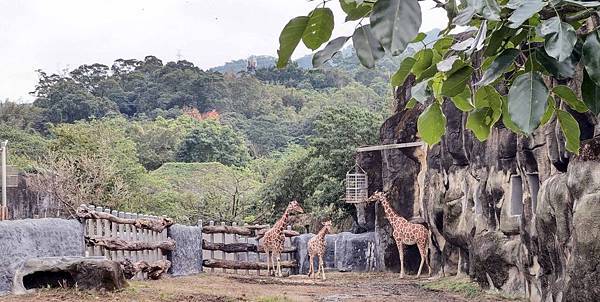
(405, 233)
(316, 247)
(273, 240)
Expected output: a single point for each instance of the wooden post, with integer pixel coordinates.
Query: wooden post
(156, 237)
(121, 235)
(247, 253)
(223, 240)
(113, 233)
(89, 231)
(163, 236)
(99, 251)
(235, 240)
(212, 240)
(107, 233)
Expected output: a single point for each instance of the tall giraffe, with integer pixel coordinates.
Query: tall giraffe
(274, 238)
(405, 233)
(316, 247)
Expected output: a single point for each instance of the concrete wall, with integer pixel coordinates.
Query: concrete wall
(345, 252)
(187, 257)
(32, 238)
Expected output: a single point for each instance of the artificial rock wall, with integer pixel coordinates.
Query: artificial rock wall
(32, 238)
(186, 259)
(515, 213)
(345, 252)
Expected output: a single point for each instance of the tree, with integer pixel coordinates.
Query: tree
(63, 100)
(516, 44)
(210, 141)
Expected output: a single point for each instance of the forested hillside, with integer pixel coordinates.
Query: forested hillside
(173, 139)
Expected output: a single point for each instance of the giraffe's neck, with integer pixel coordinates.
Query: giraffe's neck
(322, 233)
(390, 213)
(282, 222)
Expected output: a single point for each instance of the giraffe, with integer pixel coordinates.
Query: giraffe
(273, 239)
(405, 233)
(316, 247)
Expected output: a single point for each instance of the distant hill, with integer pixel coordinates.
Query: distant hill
(305, 62)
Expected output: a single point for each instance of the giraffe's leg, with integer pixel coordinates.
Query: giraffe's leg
(423, 252)
(401, 253)
(311, 268)
(279, 265)
(322, 267)
(268, 260)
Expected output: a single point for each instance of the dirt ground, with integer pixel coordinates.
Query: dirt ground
(229, 287)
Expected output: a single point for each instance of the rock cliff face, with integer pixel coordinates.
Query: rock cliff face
(515, 213)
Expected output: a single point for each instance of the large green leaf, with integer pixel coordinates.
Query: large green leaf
(464, 16)
(559, 37)
(443, 44)
(570, 129)
(448, 63)
(549, 111)
(318, 28)
(567, 95)
(481, 121)
(457, 81)
(420, 92)
(289, 38)
(432, 124)
(367, 47)
(491, 10)
(329, 51)
(506, 118)
(424, 60)
(462, 101)
(395, 23)
(560, 70)
(523, 10)
(400, 76)
(590, 92)
(499, 66)
(591, 56)
(354, 10)
(487, 96)
(527, 100)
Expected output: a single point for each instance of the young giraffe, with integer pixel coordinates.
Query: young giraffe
(273, 239)
(316, 247)
(405, 233)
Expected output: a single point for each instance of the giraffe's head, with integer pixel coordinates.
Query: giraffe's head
(327, 226)
(294, 208)
(377, 197)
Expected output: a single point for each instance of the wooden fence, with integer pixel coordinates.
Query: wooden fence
(236, 249)
(110, 237)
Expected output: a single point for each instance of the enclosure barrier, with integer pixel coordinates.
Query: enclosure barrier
(236, 249)
(139, 241)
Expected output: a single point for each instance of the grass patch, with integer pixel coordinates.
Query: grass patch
(274, 299)
(461, 286)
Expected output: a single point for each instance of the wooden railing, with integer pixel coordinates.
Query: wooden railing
(124, 236)
(238, 249)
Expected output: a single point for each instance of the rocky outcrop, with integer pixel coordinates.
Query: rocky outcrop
(89, 273)
(515, 213)
(33, 238)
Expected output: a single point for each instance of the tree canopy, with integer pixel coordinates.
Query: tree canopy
(501, 61)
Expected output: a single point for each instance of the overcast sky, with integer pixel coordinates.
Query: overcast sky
(54, 35)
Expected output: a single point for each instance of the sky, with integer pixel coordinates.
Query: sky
(58, 35)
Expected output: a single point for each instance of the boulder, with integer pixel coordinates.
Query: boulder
(91, 273)
(33, 238)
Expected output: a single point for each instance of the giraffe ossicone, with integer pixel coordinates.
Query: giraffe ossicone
(405, 232)
(273, 240)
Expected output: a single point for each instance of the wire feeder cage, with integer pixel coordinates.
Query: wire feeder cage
(357, 185)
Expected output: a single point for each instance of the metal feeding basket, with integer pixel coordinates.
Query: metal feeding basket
(357, 185)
